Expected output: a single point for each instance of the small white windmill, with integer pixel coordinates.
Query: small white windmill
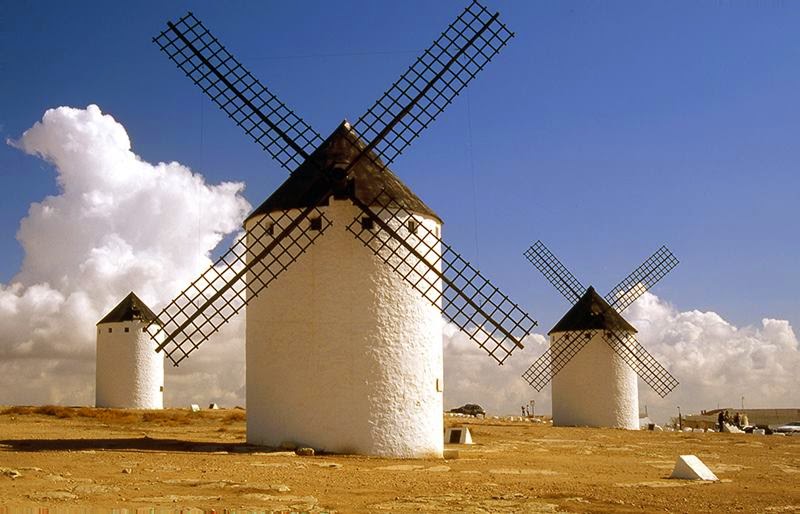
(344, 351)
(594, 357)
(129, 372)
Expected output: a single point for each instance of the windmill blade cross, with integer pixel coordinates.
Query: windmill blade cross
(561, 351)
(444, 69)
(280, 132)
(653, 269)
(554, 271)
(643, 363)
(467, 299)
(232, 281)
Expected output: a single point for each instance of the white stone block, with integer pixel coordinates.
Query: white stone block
(458, 435)
(195, 407)
(759, 431)
(689, 467)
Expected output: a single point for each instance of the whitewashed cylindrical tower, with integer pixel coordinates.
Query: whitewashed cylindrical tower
(129, 373)
(343, 355)
(597, 388)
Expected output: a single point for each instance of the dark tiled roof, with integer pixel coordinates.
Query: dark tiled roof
(591, 312)
(129, 309)
(369, 178)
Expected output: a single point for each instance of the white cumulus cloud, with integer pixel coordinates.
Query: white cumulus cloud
(118, 224)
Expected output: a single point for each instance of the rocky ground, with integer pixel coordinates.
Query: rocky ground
(178, 460)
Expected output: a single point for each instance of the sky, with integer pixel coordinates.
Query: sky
(603, 129)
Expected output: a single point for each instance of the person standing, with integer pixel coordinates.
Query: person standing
(720, 420)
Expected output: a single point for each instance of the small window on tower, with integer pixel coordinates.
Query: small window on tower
(315, 223)
(271, 229)
(412, 226)
(144, 329)
(161, 389)
(109, 330)
(367, 223)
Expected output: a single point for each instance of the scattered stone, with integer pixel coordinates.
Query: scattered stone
(172, 498)
(52, 495)
(332, 465)
(283, 500)
(689, 467)
(401, 467)
(11, 473)
(127, 471)
(305, 452)
(438, 469)
(94, 489)
(512, 471)
(32, 468)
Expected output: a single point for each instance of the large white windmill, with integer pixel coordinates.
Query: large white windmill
(344, 351)
(594, 357)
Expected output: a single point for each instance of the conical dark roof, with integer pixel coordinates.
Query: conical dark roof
(591, 312)
(370, 179)
(129, 309)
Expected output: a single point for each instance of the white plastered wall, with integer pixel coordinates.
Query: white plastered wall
(343, 355)
(596, 388)
(129, 373)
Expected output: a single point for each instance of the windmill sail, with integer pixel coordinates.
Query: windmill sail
(554, 271)
(641, 279)
(643, 363)
(449, 282)
(262, 116)
(618, 335)
(246, 269)
(411, 104)
(390, 125)
(561, 351)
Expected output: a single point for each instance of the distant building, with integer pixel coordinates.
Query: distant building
(130, 374)
(756, 417)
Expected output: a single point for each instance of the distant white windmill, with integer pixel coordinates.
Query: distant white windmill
(344, 350)
(594, 357)
(129, 372)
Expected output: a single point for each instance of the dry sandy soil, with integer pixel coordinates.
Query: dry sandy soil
(74, 459)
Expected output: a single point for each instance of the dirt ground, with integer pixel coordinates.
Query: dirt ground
(175, 460)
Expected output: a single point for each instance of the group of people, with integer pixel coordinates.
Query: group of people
(738, 420)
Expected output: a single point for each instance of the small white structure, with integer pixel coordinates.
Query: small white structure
(597, 388)
(342, 354)
(458, 435)
(129, 373)
(689, 467)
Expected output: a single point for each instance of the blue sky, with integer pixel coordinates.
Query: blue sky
(606, 128)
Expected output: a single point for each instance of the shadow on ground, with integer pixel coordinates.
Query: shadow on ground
(133, 444)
